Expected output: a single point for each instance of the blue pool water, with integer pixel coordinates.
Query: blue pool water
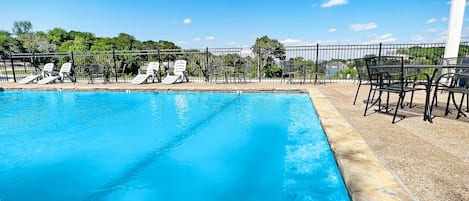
(164, 146)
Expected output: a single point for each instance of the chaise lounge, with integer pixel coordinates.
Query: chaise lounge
(65, 70)
(46, 70)
(153, 70)
(179, 73)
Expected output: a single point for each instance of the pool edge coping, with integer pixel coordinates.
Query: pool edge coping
(365, 176)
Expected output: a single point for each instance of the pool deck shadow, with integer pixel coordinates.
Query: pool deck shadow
(410, 160)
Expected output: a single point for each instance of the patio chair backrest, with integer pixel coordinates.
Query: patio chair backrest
(288, 66)
(362, 71)
(97, 69)
(180, 67)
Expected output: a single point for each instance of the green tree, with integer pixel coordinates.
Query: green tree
(125, 42)
(36, 42)
(22, 27)
(79, 42)
(7, 43)
(103, 44)
(266, 51)
(58, 36)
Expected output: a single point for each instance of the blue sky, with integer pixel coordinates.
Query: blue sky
(237, 23)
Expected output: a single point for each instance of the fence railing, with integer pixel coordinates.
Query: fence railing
(325, 62)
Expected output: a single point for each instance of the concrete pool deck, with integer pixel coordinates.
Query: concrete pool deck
(378, 160)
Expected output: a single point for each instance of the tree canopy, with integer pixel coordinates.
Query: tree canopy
(22, 39)
(22, 27)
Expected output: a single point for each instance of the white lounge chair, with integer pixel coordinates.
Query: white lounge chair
(65, 70)
(153, 69)
(179, 73)
(46, 70)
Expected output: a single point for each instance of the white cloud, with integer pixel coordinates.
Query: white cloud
(210, 38)
(430, 31)
(442, 36)
(232, 43)
(465, 34)
(290, 41)
(385, 38)
(431, 20)
(444, 19)
(187, 21)
(418, 38)
(181, 42)
(331, 3)
(196, 39)
(332, 30)
(363, 27)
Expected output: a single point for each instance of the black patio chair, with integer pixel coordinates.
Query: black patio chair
(459, 85)
(363, 78)
(119, 71)
(290, 70)
(391, 77)
(239, 72)
(316, 73)
(97, 70)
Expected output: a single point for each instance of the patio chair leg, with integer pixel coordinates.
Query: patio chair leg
(467, 102)
(447, 104)
(356, 94)
(460, 108)
(387, 103)
(435, 98)
(399, 101)
(411, 100)
(368, 100)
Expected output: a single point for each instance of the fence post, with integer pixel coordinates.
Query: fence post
(33, 58)
(317, 60)
(5, 66)
(13, 67)
(380, 48)
(73, 68)
(205, 71)
(159, 61)
(259, 54)
(73, 59)
(115, 66)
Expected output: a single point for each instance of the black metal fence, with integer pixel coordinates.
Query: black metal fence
(221, 65)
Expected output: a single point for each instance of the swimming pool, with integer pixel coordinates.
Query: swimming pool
(163, 146)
